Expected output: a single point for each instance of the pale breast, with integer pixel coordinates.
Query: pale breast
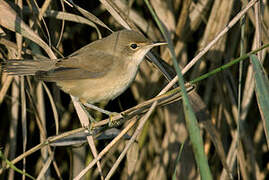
(105, 88)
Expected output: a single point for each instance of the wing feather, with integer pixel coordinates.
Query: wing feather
(83, 66)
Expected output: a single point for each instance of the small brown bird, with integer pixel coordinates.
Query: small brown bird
(99, 71)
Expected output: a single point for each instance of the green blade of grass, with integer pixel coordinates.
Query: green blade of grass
(177, 160)
(225, 66)
(191, 120)
(14, 167)
(262, 92)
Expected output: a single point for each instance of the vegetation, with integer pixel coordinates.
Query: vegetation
(203, 112)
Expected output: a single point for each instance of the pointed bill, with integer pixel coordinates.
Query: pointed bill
(158, 44)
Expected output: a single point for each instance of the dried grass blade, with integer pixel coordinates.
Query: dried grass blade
(84, 120)
(71, 17)
(91, 17)
(117, 14)
(10, 20)
(5, 87)
(53, 106)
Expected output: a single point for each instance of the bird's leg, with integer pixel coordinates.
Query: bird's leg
(97, 109)
(111, 123)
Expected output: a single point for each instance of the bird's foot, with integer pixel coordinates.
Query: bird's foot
(115, 119)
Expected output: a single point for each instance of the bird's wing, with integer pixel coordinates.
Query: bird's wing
(85, 66)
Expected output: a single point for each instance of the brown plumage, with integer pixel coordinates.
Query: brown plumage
(99, 71)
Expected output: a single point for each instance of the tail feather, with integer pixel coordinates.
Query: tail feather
(26, 67)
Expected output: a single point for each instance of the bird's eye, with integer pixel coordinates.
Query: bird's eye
(133, 46)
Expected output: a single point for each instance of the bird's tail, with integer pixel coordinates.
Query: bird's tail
(26, 67)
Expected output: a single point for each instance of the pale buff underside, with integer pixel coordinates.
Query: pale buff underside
(105, 88)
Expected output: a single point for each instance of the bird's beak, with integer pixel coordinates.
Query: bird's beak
(158, 44)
